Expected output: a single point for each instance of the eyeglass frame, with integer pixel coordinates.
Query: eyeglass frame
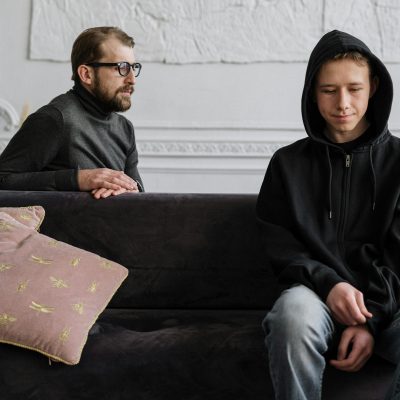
(117, 64)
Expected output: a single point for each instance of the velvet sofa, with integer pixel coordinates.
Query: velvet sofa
(186, 323)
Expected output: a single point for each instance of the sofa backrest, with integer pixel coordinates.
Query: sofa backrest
(183, 250)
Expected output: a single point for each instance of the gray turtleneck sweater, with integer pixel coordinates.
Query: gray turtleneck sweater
(72, 132)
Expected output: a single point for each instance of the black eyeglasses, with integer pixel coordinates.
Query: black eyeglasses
(123, 67)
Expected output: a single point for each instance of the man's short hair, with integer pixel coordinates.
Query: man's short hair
(87, 46)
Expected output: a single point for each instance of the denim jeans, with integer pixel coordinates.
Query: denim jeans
(299, 331)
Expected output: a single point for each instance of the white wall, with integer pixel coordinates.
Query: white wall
(208, 127)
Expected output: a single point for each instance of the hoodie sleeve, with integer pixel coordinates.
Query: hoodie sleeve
(381, 297)
(291, 261)
(24, 161)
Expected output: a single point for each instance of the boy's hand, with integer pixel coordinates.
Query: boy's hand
(347, 305)
(355, 348)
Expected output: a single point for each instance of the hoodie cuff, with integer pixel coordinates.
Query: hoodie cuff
(326, 284)
(378, 322)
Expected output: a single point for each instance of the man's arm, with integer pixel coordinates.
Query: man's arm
(131, 175)
(23, 162)
(131, 164)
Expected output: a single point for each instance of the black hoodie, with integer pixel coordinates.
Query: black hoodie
(331, 215)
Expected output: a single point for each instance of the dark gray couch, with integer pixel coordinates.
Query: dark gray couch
(186, 324)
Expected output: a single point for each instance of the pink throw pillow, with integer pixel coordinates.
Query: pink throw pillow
(31, 216)
(51, 293)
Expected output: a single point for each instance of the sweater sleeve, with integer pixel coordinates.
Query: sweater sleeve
(290, 258)
(24, 162)
(132, 161)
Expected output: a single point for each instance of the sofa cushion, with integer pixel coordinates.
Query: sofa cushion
(51, 293)
(169, 355)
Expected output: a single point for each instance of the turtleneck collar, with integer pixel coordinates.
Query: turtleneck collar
(90, 102)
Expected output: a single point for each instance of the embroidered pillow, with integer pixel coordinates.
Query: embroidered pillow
(51, 293)
(32, 216)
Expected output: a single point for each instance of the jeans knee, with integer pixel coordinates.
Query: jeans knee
(297, 317)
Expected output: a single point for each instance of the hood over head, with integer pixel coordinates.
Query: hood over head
(379, 106)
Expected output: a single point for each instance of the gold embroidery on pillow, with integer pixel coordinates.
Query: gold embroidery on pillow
(58, 283)
(40, 308)
(64, 335)
(92, 287)
(41, 260)
(75, 262)
(53, 243)
(106, 264)
(5, 226)
(25, 217)
(22, 286)
(5, 319)
(5, 267)
(78, 307)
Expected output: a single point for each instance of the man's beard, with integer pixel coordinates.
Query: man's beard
(109, 102)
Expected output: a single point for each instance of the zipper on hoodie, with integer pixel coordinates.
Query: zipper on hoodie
(346, 193)
(348, 160)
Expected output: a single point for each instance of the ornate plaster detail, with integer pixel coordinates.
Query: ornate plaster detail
(9, 119)
(208, 148)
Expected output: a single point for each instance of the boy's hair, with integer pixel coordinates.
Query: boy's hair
(87, 46)
(357, 57)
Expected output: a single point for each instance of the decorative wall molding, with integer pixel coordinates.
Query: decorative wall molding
(216, 140)
(196, 140)
(207, 149)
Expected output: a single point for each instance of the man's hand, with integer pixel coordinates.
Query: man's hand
(355, 348)
(347, 305)
(105, 178)
(103, 193)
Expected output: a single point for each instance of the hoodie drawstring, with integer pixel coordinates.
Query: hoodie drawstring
(371, 163)
(330, 181)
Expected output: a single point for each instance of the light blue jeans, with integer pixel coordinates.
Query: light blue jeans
(299, 330)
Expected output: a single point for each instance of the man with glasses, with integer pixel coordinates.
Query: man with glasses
(78, 141)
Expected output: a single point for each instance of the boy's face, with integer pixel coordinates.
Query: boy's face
(342, 90)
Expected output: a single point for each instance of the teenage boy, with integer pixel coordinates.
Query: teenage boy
(329, 210)
(79, 141)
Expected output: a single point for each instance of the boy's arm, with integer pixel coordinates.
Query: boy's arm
(290, 259)
(383, 299)
(355, 348)
(347, 305)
